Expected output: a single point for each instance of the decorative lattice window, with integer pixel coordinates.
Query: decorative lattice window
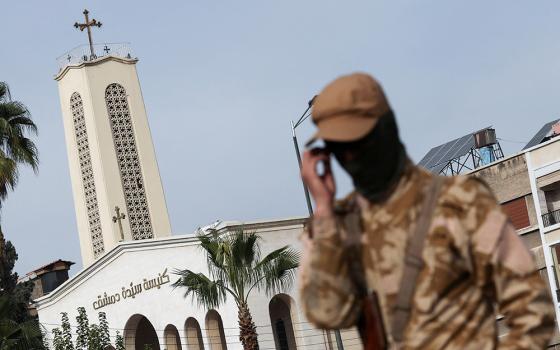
(84, 158)
(129, 164)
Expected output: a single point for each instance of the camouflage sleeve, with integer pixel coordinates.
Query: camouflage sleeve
(328, 295)
(505, 267)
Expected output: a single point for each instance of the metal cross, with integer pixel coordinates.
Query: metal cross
(106, 49)
(87, 25)
(120, 216)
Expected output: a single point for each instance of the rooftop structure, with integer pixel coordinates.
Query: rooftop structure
(548, 131)
(464, 153)
(46, 279)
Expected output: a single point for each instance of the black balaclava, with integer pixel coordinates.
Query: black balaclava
(377, 160)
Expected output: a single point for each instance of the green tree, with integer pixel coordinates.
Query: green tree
(94, 338)
(82, 330)
(66, 332)
(119, 342)
(104, 330)
(17, 335)
(20, 294)
(89, 336)
(235, 269)
(58, 341)
(15, 147)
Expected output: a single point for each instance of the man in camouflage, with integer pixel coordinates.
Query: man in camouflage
(475, 265)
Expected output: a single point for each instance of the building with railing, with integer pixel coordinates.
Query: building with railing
(527, 184)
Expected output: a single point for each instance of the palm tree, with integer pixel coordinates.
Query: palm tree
(236, 269)
(15, 147)
(17, 336)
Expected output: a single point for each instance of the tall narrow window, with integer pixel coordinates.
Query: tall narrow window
(517, 211)
(129, 163)
(88, 182)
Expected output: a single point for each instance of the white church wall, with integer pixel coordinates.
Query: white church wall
(131, 262)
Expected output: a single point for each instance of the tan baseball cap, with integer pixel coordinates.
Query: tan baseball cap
(348, 108)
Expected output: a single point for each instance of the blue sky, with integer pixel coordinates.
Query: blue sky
(222, 80)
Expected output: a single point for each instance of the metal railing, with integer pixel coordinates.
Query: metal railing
(82, 53)
(551, 218)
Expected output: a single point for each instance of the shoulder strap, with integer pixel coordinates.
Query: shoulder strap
(413, 260)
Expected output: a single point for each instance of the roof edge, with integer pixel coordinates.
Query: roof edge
(95, 62)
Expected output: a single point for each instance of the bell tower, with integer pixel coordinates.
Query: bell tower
(116, 184)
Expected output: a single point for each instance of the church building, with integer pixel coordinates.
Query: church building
(128, 251)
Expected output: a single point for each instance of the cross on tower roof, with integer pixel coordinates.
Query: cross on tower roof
(87, 25)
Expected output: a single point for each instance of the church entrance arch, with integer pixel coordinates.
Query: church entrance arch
(215, 331)
(193, 334)
(172, 339)
(281, 322)
(139, 334)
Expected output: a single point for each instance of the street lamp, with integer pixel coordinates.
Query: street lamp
(301, 119)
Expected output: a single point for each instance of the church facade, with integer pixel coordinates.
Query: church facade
(128, 252)
(132, 284)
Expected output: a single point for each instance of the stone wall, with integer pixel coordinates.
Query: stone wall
(508, 179)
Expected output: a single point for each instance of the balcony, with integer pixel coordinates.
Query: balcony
(83, 54)
(551, 218)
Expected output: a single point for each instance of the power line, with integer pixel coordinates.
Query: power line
(514, 141)
(236, 343)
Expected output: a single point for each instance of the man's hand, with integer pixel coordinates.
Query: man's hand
(322, 187)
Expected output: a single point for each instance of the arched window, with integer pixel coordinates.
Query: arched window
(193, 334)
(129, 162)
(88, 183)
(172, 339)
(139, 334)
(281, 321)
(215, 331)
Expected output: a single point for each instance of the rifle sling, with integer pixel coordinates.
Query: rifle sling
(413, 261)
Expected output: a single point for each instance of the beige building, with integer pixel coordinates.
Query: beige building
(527, 184)
(117, 189)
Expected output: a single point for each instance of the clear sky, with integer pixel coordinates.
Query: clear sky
(222, 80)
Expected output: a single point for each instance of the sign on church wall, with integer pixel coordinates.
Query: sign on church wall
(131, 290)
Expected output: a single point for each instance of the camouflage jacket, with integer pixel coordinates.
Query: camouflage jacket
(476, 268)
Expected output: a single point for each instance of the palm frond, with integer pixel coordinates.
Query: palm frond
(277, 270)
(216, 252)
(4, 92)
(23, 150)
(245, 249)
(9, 175)
(15, 146)
(25, 123)
(13, 109)
(204, 291)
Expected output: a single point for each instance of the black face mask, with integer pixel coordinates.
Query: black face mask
(375, 162)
